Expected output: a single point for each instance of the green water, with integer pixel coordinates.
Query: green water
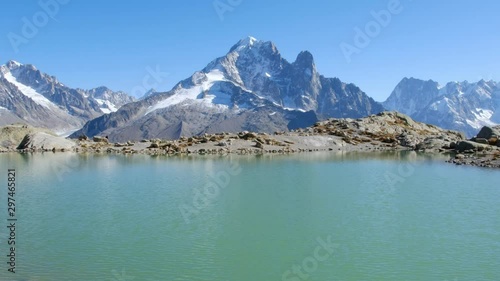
(384, 217)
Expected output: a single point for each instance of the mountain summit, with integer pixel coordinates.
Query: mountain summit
(252, 87)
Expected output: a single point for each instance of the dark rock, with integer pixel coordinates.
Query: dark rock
(248, 136)
(154, 145)
(481, 140)
(488, 132)
(259, 145)
(467, 146)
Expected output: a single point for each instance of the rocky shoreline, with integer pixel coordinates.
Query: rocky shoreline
(481, 151)
(387, 131)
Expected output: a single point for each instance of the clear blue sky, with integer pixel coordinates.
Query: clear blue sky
(91, 43)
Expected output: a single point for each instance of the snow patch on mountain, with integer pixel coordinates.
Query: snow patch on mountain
(483, 118)
(28, 91)
(198, 92)
(106, 106)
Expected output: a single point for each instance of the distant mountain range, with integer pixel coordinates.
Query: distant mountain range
(31, 96)
(251, 88)
(460, 106)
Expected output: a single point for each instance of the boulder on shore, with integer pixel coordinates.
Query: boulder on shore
(488, 132)
(100, 139)
(470, 145)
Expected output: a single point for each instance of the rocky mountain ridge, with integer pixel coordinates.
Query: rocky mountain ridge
(30, 96)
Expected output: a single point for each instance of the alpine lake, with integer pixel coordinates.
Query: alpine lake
(311, 216)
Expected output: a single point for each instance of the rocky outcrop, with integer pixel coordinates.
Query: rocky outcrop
(391, 128)
(486, 139)
(45, 141)
(482, 150)
(12, 135)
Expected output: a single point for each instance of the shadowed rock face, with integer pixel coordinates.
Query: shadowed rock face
(250, 88)
(41, 140)
(489, 132)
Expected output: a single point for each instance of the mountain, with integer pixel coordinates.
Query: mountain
(251, 88)
(462, 106)
(108, 100)
(31, 96)
(148, 93)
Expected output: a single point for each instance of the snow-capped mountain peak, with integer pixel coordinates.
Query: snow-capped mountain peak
(249, 41)
(12, 63)
(246, 43)
(255, 68)
(252, 87)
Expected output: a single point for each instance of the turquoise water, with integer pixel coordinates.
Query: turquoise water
(302, 217)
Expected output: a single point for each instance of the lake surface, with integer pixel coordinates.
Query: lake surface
(302, 217)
